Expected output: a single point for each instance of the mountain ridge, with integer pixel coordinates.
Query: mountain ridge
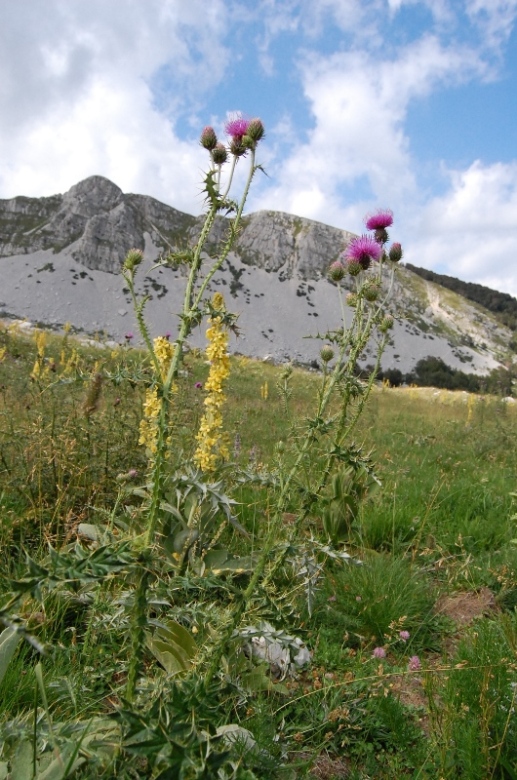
(60, 256)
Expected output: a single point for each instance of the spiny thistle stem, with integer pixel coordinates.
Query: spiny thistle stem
(233, 231)
(138, 626)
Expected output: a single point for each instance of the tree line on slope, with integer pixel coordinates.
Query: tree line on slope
(433, 372)
(502, 305)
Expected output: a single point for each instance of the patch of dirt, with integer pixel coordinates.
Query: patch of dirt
(327, 768)
(463, 608)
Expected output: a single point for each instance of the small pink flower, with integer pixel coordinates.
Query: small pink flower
(404, 635)
(198, 385)
(414, 664)
(129, 336)
(167, 335)
(379, 652)
(381, 220)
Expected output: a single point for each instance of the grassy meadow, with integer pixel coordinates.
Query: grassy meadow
(413, 640)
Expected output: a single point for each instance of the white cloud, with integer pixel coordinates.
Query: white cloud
(495, 18)
(359, 105)
(80, 92)
(471, 231)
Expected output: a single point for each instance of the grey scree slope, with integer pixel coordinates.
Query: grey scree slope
(60, 259)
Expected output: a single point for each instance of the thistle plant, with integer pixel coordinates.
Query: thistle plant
(244, 136)
(321, 447)
(320, 453)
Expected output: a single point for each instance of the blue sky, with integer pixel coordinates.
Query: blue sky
(406, 104)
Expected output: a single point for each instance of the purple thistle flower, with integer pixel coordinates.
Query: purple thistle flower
(198, 385)
(404, 635)
(414, 663)
(237, 127)
(381, 220)
(379, 652)
(363, 250)
(129, 336)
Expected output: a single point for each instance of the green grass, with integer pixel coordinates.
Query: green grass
(441, 522)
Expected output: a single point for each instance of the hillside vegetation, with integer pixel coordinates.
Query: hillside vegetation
(409, 643)
(501, 304)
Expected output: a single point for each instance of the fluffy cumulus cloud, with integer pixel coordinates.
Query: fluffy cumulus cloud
(80, 93)
(471, 231)
(359, 104)
(358, 153)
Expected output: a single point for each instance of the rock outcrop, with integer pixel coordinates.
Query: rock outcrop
(60, 257)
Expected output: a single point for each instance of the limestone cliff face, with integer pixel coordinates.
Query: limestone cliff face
(99, 223)
(60, 257)
(94, 219)
(291, 245)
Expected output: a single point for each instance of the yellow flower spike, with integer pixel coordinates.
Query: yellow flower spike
(212, 444)
(3, 353)
(149, 423)
(163, 350)
(218, 301)
(40, 337)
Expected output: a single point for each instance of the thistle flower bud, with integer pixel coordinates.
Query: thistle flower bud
(371, 291)
(219, 154)
(354, 267)
(386, 323)
(351, 300)
(237, 147)
(395, 253)
(381, 235)
(208, 138)
(133, 259)
(337, 271)
(255, 130)
(248, 142)
(326, 353)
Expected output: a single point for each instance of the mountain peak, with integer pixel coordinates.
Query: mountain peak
(92, 195)
(61, 257)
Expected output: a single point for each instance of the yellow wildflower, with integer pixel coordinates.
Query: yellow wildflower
(149, 422)
(39, 368)
(211, 445)
(163, 351)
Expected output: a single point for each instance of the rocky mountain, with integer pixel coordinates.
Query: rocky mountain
(60, 259)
